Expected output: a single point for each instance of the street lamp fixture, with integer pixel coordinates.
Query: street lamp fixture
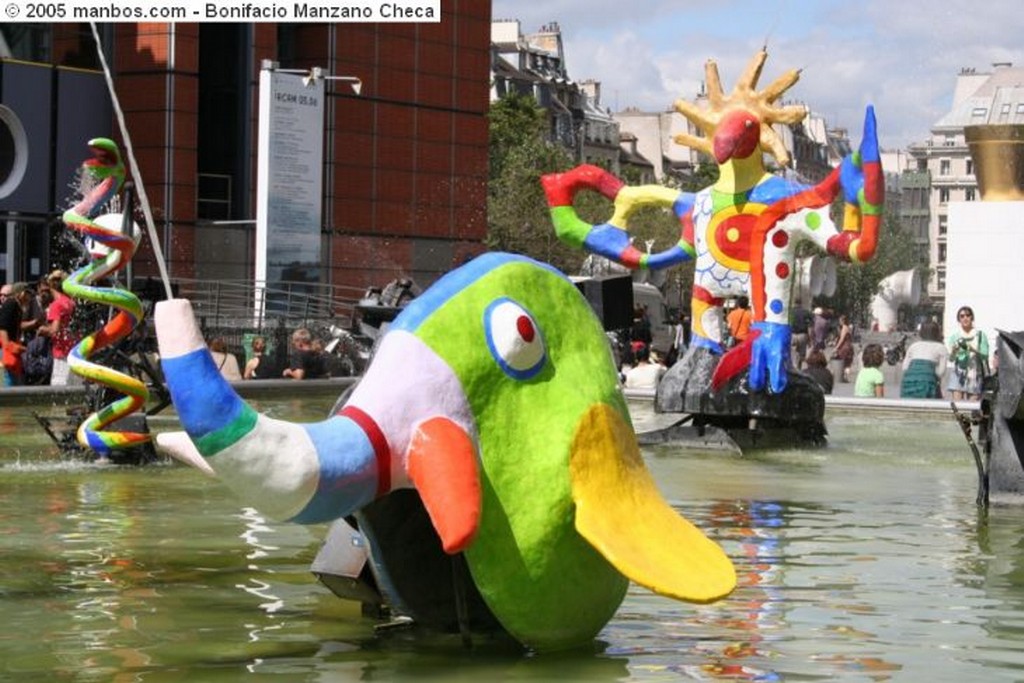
(317, 73)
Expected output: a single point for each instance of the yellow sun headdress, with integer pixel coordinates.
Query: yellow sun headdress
(744, 96)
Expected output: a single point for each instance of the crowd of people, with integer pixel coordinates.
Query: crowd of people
(307, 359)
(823, 346)
(930, 367)
(37, 333)
(39, 328)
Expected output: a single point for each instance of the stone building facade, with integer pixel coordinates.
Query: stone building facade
(995, 96)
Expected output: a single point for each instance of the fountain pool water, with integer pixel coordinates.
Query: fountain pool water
(865, 560)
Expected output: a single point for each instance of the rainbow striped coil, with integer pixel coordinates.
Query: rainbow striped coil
(107, 171)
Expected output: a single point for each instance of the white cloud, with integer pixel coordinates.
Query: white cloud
(901, 56)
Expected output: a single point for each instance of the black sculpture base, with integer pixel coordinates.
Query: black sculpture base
(1004, 402)
(389, 558)
(63, 430)
(796, 415)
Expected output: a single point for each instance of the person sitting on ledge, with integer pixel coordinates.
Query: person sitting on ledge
(870, 380)
(645, 374)
(925, 364)
(224, 360)
(260, 366)
(305, 363)
(817, 369)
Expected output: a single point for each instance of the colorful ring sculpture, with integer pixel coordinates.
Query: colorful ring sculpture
(105, 171)
(743, 230)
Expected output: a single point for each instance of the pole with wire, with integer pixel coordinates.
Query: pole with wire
(133, 166)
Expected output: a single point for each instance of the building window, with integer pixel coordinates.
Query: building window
(943, 195)
(943, 220)
(1005, 109)
(214, 196)
(940, 280)
(949, 141)
(944, 167)
(969, 194)
(1020, 108)
(27, 42)
(979, 112)
(970, 167)
(942, 254)
(919, 199)
(69, 44)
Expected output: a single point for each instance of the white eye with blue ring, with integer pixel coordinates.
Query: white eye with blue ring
(514, 339)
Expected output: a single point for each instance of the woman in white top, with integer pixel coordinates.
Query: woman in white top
(224, 360)
(925, 364)
(645, 374)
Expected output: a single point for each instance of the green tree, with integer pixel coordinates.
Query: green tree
(517, 212)
(518, 219)
(857, 284)
(515, 121)
(705, 175)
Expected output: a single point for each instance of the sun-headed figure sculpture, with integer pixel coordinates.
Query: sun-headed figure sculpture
(743, 230)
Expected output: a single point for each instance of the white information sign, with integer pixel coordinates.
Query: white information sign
(289, 182)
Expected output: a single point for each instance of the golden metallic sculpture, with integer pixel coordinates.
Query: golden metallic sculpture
(998, 152)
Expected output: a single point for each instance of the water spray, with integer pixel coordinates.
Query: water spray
(112, 251)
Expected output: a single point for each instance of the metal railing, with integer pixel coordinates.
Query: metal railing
(238, 310)
(253, 304)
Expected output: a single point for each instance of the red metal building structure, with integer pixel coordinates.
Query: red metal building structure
(405, 160)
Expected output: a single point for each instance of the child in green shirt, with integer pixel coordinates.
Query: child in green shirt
(870, 380)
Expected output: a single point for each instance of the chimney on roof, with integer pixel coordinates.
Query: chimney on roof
(593, 89)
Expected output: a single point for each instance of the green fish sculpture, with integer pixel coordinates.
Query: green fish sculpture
(494, 395)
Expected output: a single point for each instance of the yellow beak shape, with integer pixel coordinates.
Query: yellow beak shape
(621, 513)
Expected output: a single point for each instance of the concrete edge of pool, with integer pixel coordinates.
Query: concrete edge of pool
(40, 396)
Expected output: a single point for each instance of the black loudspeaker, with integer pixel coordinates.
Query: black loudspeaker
(47, 117)
(26, 110)
(611, 297)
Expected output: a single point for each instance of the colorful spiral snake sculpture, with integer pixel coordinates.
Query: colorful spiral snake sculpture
(105, 172)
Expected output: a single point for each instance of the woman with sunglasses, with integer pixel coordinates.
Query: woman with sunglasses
(968, 358)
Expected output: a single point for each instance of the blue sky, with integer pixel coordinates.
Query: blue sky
(900, 55)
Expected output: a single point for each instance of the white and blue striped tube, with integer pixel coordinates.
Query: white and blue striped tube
(303, 473)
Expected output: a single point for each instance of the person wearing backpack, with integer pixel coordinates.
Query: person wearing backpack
(37, 361)
(739, 320)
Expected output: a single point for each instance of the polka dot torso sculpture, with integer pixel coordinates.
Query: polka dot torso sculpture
(743, 231)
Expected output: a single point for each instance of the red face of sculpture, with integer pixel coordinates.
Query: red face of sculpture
(737, 136)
